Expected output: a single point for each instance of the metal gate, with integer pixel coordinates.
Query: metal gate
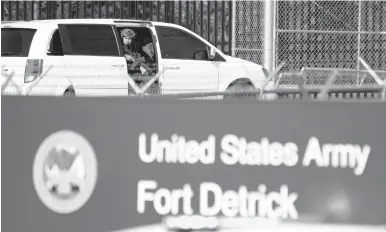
(210, 19)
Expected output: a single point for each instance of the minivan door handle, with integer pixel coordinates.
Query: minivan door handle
(173, 68)
(118, 65)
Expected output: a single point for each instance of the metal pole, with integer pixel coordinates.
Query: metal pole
(215, 23)
(274, 42)
(40, 11)
(25, 11)
(136, 10)
(107, 9)
(84, 9)
(209, 22)
(158, 10)
(194, 16)
(202, 17)
(99, 9)
(166, 10)
(92, 9)
(2, 10)
(173, 12)
(114, 9)
(144, 8)
(17, 11)
(77, 9)
(222, 25)
(50, 10)
(69, 10)
(268, 35)
(359, 39)
(179, 13)
(32, 10)
(233, 23)
(187, 14)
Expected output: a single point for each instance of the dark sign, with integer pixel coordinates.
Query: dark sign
(90, 164)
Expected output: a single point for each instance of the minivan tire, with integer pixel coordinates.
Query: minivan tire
(240, 87)
(69, 92)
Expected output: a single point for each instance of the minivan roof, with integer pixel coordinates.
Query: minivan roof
(38, 23)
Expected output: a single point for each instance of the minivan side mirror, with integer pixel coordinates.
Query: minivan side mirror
(211, 52)
(200, 55)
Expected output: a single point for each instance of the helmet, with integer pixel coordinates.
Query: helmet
(127, 33)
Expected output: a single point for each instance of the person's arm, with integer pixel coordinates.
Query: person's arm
(129, 58)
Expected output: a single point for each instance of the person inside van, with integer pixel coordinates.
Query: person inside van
(136, 62)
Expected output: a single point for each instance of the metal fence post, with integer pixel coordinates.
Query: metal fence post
(233, 23)
(274, 35)
(359, 37)
(2, 10)
(268, 34)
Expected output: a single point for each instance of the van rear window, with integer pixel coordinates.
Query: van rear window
(16, 41)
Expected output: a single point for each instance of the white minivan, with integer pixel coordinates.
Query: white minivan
(85, 57)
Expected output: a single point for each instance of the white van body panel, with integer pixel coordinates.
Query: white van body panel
(96, 75)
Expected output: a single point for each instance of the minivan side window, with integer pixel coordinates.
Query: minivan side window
(56, 48)
(16, 41)
(178, 44)
(90, 40)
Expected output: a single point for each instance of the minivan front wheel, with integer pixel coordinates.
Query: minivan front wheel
(69, 92)
(238, 90)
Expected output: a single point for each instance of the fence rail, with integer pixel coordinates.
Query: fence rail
(339, 93)
(319, 77)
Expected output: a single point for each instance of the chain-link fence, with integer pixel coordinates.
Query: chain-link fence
(318, 35)
(248, 30)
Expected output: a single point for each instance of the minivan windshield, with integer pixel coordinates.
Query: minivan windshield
(16, 41)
